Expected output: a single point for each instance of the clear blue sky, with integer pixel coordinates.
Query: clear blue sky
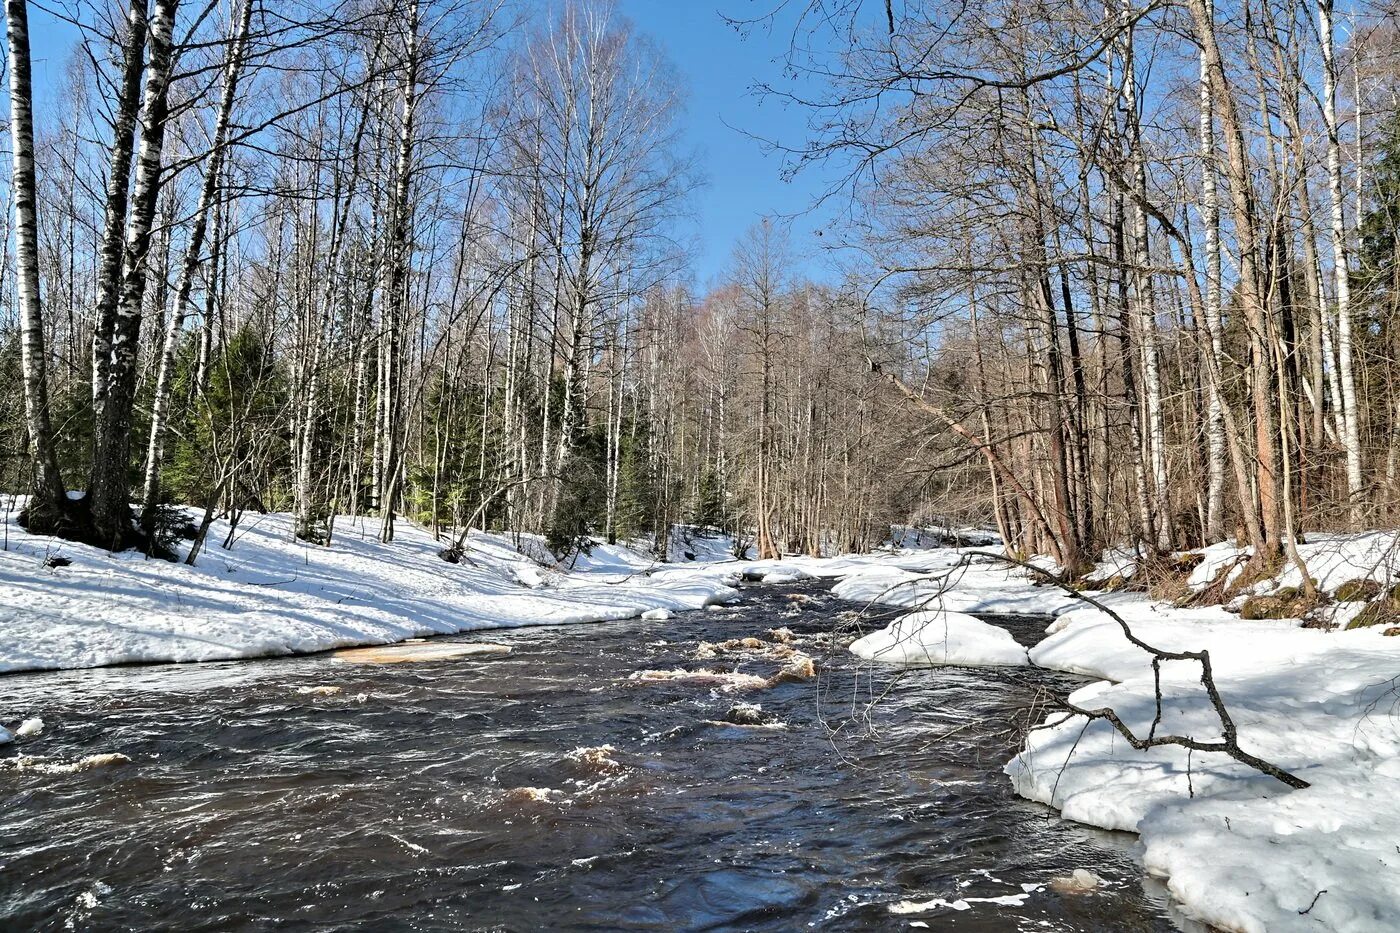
(718, 68)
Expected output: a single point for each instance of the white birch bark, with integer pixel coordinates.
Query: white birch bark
(49, 489)
(165, 370)
(109, 490)
(1351, 416)
(112, 249)
(1215, 418)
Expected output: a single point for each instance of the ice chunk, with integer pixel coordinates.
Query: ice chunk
(933, 638)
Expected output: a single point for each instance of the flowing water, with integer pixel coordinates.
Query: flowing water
(311, 793)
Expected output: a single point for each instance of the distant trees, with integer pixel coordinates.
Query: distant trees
(1150, 369)
(1091, 301)
(411, 257)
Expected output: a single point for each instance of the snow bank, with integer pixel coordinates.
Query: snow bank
(786, 575)
(1239, 850)
(983, 586)
(273, 595)
(934, 637)
(1332, 560)
(270, 594)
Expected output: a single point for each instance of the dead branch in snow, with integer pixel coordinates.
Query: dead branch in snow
(1228, 744)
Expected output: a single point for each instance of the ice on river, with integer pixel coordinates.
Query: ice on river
(420, 652)
(931, 638)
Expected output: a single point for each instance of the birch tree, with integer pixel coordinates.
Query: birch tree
(48, 508)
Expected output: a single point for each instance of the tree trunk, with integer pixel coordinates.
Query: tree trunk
(109, 489)
(165, 370)
(112, 250)
(1351, 417)
(50, 502)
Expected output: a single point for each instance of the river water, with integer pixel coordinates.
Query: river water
(310, 793)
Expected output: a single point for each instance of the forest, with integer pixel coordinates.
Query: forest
(1104, 276)
(408, 259)
(1048, 452)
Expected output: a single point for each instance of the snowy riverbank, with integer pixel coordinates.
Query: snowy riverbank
(270, 594)
(1238, 850)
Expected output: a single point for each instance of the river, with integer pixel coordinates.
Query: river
(314, 794)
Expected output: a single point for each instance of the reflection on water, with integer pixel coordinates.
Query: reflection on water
(548, 789)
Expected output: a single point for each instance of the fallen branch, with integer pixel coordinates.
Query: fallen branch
(1229, 742)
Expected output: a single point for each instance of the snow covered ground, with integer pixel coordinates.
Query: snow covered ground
(272, 595)
(1239, 850)
(933, 638)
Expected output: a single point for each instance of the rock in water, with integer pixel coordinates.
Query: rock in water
(1079, 881)
(799, 668)
(746, 714)
(520, 795)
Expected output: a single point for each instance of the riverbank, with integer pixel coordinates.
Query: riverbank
(1239, 850)
(68, 605)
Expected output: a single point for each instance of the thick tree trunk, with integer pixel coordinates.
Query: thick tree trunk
(112, 250)
(109, 489)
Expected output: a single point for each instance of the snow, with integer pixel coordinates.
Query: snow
(933, 637)
(959, 580)
(1331, 559)
(1237, 849)
(272, 595)
(786, 575)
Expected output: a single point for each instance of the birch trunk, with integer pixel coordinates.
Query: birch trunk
(165, 370)
(1351, 418)
(1210, 216)
(109, 490)
(112, 249)
(50, 500)
(397, 297)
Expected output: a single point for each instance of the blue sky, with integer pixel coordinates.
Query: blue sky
(718, 68)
